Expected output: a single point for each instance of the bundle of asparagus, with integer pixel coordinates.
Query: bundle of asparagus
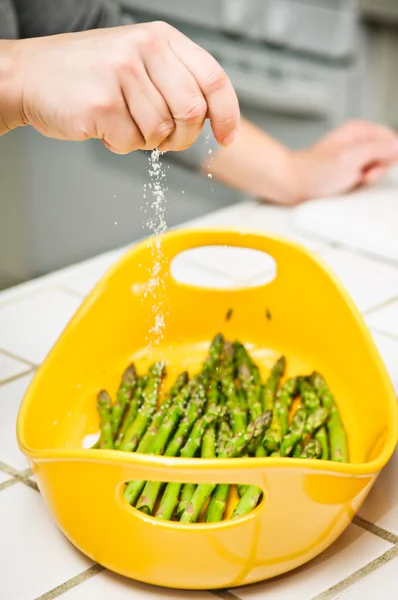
(224, 411)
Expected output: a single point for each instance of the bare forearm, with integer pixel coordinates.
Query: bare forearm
(256, 164)
(10, 89)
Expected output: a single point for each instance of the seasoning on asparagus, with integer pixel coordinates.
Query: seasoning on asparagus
(132, 411)
(312, 449)
(309, 396)
(316, 419)
(150, 399)
(123, 396)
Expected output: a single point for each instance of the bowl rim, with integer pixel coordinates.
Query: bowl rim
(115, 456)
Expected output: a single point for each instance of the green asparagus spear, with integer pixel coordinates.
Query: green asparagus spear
(248, 501)
(170, 496)
(295, 434)
(297, 450)
(250, 382)
(123, 397)
(146, 442)
(132, 411)
(219, 499)
(312, 450)
(151, 490)
(196, 393)
(335, 428)
(316, 419)
(273, 438)
(217, 507)
(284, 398)
(271, 386)
(150, 398)
(322, 438)
(218, 503)
(309, 396)
(159, 431)
(233, 448)
(212, 361)
(223, 435)
(208, 449)
(104, 410)
(227, 377)
(192, 444)
(249, 379)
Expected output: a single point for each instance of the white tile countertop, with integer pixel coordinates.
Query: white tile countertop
(38, 562)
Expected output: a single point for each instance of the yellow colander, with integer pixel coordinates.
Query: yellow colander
(306, 504)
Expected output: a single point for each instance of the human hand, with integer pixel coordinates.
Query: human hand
(354, 154)
(134, 87)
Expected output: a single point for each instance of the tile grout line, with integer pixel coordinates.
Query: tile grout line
(361, 573)
(9, 470)
(16, 377)
(65, 288)
(8, 483)
(225, 594)
(25, 294)
(383, 304)
(391, 262)
(375, 529)
(17, 477)
(71, 583)
(26, 361)
(390, 336)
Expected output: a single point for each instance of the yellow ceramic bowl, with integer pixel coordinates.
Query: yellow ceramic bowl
(306, 504)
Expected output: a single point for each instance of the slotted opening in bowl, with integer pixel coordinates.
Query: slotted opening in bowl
(223, 267)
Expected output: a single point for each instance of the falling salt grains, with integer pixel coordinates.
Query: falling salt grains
(157, 225)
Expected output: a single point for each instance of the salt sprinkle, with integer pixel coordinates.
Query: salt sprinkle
(157, 225)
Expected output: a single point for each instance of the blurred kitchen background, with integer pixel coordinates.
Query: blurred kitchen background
(300, 67)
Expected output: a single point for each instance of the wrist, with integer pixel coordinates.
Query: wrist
(11, 88)
(300, 174)
(292, 188)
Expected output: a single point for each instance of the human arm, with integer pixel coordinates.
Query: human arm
(355, 153)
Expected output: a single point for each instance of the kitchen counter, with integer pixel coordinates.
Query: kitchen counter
(37, 561)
